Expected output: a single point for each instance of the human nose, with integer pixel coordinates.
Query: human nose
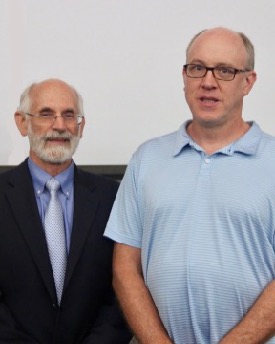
(209, 80)
(58, 123)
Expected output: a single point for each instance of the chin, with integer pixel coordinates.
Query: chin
(209, 121)
(56, 160)
(56, 156)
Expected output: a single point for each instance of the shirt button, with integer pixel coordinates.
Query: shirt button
(207, 161)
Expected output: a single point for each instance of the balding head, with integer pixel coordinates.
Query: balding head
(223, 33)
(28, 95)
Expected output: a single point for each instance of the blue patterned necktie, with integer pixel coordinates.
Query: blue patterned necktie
(55, 236)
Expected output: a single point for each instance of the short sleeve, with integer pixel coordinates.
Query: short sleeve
(124, 225)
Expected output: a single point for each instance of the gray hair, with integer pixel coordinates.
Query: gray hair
(246, 42)
(26, 99)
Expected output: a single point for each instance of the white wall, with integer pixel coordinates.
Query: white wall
(125, 58)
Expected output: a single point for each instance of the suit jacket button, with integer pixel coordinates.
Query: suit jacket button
(54, 306)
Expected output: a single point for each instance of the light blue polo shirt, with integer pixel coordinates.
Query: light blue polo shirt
(205, 225)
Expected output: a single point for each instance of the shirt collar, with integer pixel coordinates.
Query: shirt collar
(247, 144)
(182, 139)
(40, 177)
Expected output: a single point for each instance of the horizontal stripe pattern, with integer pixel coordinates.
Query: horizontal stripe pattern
(205, 225)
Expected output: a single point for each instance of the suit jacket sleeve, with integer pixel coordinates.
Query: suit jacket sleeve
(8, 329)
(110, 327)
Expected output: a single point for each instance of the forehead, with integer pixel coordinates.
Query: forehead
(218, 46)
(55, 95)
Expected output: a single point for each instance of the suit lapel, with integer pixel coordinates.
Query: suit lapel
(23, 204)
(85, 208)
(22, 200)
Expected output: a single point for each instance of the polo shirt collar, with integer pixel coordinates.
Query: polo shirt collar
(247, 144)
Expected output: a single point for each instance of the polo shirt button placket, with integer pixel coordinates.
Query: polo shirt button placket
(205, 165)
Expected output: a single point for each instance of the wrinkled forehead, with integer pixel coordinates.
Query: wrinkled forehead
(218, 46)
(57, 96)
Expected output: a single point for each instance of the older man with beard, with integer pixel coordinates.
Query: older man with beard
(47, 297)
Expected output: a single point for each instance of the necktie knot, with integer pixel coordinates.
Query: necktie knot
(52, 185)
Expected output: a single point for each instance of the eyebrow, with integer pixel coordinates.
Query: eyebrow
(49, 109)
(220, 64)
(69, 110)
(45, 109)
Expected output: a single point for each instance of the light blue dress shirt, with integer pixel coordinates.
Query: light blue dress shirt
(205, 225)
(65, 194)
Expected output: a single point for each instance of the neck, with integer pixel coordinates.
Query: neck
(50, 168)
(214, 138)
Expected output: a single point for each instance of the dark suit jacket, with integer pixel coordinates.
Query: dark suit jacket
(28, 306)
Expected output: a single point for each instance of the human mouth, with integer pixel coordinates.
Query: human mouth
(208, 100)
(58, 138)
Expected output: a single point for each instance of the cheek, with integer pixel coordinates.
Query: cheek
(191, 85)
(73, 131)
(36, 129)
(189, 91)
(234, 93)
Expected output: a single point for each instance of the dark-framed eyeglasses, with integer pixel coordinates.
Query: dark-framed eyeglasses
(221, 72)
(49, 117)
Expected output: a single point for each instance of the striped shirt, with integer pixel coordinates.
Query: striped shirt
(205, 226)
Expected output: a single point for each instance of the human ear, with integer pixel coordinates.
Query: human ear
(82, 124)
(21, 122)
(250, 79)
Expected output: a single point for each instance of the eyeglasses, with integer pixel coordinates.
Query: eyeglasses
(49, 118)
(220, 73)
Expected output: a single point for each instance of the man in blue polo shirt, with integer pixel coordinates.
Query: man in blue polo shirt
(194, 218)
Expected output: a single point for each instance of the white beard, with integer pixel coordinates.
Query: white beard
(56, 154)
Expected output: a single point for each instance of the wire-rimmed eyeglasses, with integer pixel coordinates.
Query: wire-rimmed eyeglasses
(49, 118)
(220, 72)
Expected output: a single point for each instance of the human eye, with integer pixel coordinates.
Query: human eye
(46, 114)
(196, 68)
(69, 116)
(225, 70)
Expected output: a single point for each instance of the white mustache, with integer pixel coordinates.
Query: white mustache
(56, 134)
